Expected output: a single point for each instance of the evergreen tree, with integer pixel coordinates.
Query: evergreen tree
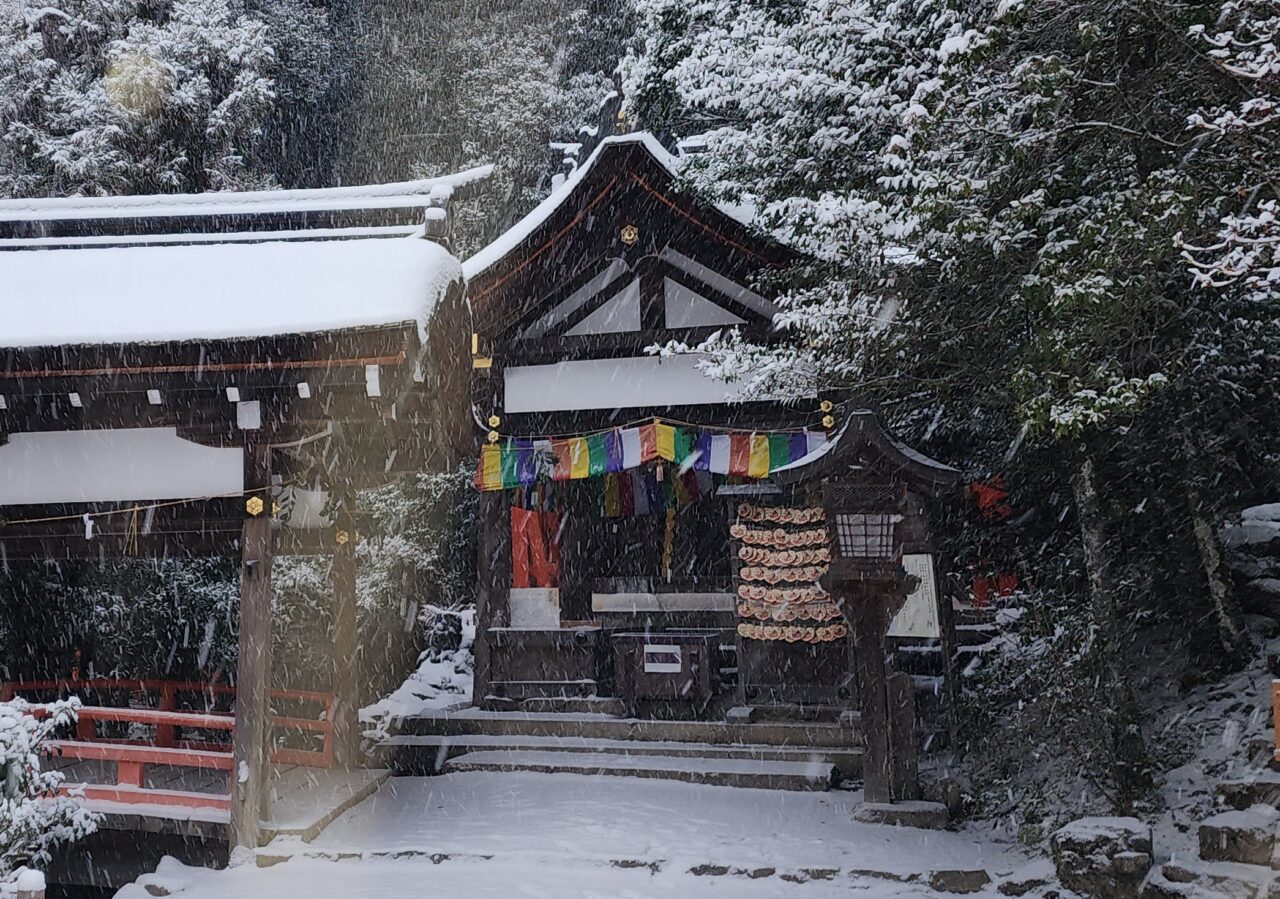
(33, 819)
(115, 97)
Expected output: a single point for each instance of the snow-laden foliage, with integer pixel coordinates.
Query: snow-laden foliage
(33, 819)
(443, 678)
(123, 618)
(1244, 44)
(112, 96)
(478, 83)
(810, 111)
(999, 203)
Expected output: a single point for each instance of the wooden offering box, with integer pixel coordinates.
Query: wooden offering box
(670, 666)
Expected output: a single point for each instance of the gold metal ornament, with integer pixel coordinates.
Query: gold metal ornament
(493, 436)
(629, 235)
(828, 422)
(342, 538)
(826, 406)
(254, 506)
(494, 421)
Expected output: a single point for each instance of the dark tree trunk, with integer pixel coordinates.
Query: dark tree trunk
(1127, 746)
(1233, 637)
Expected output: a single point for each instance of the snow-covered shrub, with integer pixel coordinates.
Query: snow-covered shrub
(444, 676)
(33, 818)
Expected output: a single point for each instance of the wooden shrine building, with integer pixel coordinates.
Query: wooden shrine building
(214, 375)
(623, 549)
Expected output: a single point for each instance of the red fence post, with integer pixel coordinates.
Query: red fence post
(129, 773)
(165, 733)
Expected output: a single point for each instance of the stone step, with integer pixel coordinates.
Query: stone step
(419, 755)
(1261, 788)
(472, 722)
(752, 773)
(1247, 837)
(1196, 879)
(592, 704)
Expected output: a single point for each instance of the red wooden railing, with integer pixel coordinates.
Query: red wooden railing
(132, 756)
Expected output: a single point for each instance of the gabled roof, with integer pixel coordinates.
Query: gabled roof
(153, 294)
(628, 180)
(519, 232)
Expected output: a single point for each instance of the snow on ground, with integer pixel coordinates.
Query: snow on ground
(607, 818)
(565, 835)
(501, 879)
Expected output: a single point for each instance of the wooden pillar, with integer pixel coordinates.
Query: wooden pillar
(903, 747)
(346, 667)
(249, 772)
(577, 558)
(493, 590)
(868, 622)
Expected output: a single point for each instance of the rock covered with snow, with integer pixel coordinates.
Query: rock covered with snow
(1258, 526)
(1252, 544)
(1103, 858)
(1240, 836)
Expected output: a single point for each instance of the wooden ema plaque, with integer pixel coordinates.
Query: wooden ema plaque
(779, 553)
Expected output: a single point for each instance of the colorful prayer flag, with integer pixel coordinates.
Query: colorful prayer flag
(525, 461)
(758, 460)
(666, 441)
(720, 445)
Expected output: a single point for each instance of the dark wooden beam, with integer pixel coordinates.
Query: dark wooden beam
(250, 796)
(608, 346)
(493, 593)
(346, 668)
(715, 295)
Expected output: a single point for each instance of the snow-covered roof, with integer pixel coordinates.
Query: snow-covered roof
(862, 427)
(422, 192)
(150, 294)
(512, 237)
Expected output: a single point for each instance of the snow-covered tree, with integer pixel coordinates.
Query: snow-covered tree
(33, 819)
(114, 96)
(809, 110)
(1000, 202)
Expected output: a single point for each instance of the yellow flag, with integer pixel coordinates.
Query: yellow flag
(491, 467)
(580, 458)
(758, 461)
(666, 439)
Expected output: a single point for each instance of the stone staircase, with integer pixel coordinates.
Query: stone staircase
(1239, 848)
(779, 755)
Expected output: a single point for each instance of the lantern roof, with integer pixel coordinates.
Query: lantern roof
(862, 442)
